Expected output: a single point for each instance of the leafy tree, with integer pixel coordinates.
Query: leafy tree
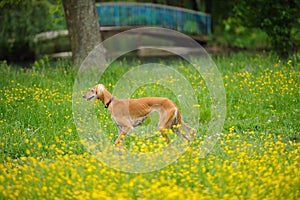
(20, 21)
(278, 18)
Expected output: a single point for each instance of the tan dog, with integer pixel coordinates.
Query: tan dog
(129, 113)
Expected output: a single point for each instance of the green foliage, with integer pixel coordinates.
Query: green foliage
(20, 22)
(278, 18)
(56, 11)
(236, 35)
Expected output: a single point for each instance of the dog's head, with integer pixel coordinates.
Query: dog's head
(95, 93)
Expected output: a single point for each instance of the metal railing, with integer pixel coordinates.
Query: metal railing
(148, 14)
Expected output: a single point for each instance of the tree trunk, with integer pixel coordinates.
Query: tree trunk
(83, 27)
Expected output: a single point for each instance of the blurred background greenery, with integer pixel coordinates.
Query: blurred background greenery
(236, 25)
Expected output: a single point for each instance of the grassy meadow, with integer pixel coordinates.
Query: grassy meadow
(257, 155)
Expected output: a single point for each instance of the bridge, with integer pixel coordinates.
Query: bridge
(117, 17)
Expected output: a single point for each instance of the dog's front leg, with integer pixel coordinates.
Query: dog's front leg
(122, 132)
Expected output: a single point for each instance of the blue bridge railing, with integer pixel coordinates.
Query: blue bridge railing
(148, 14)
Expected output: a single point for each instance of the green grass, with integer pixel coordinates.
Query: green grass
(256, 156)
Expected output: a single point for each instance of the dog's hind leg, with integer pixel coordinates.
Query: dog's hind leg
(165, 122)
(176, 124)
(163, 132)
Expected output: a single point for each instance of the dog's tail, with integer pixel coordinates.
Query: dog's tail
(177, 117)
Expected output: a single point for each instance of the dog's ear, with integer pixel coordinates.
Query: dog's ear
(99, 90)
(100, 87)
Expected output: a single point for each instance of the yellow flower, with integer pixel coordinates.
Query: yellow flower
(23, 158)
(27, 151)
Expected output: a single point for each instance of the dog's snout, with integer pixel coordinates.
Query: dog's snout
(84, 96)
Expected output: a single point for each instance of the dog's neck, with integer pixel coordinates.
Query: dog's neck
(106, 98)
(108, 103)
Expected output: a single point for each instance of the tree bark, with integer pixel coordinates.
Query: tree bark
(83, 27)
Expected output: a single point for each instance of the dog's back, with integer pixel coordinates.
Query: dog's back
(146, 105)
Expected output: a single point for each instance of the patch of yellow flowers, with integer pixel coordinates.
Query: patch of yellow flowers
(247, 164)
(244, 171)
